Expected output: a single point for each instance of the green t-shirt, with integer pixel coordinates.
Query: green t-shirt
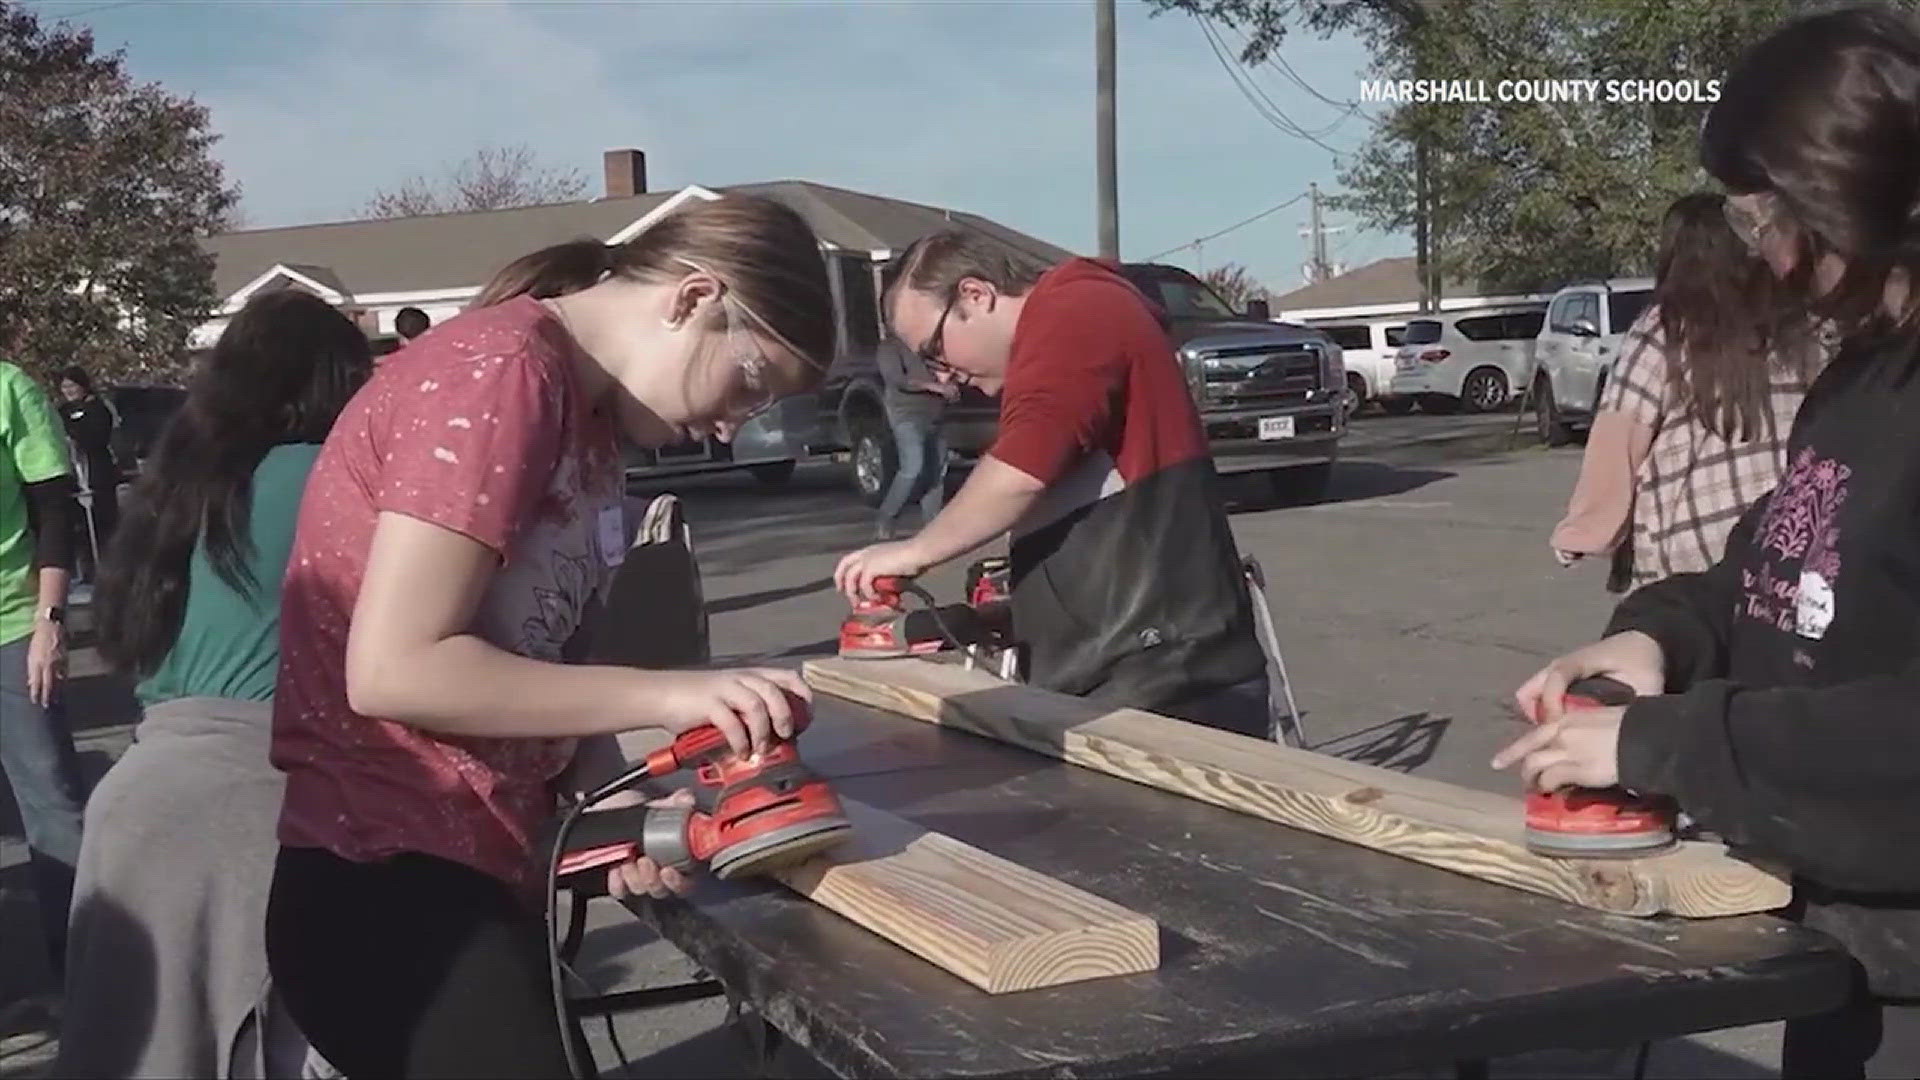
(229, 644)
(33, 447)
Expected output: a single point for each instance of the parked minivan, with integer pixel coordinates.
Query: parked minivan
(1368, 349)
(1581, 338)
(1477, 359)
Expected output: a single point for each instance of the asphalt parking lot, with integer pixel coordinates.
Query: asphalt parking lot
(1410, 602)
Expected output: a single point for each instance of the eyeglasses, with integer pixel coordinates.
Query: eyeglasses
(933, 352)
(754, 394)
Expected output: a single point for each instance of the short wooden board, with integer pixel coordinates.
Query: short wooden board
(1460, 829)
(994, 923)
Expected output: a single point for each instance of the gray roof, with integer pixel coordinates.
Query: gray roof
(446, 251)
(1383, 281)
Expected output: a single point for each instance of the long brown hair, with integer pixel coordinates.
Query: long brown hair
(1821, 116)
(763, 251)
(1726, 321)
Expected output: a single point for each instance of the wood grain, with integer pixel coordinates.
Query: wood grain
(994, 923)
(1471, 832)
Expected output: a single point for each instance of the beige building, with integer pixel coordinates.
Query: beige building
(372, 269)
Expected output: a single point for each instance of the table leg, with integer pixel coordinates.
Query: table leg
(763, 1039)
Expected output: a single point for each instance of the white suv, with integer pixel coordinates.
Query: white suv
(1478, 359)
(1580, 341)
(1368, 349)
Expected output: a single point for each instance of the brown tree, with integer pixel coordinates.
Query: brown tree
(107, 187)
(1234, 284)
(492, 178)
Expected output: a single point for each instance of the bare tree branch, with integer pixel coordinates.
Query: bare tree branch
(491, 178)
(1234, 284)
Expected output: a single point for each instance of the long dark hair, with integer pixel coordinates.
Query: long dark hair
(281, 373)
(1726, 321)
(1824, 116)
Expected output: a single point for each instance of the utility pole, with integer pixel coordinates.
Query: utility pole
(1319, 267)
(1107, 159)
(1320, 271)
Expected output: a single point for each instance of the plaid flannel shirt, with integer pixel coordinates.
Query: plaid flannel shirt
(1693, 485)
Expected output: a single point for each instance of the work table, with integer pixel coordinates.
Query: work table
(1282, 953)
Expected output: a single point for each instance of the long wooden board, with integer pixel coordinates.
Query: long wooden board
(994, 923)
(1470, 832)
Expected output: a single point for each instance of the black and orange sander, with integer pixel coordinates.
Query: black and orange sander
(751, 813)
(1589, 823)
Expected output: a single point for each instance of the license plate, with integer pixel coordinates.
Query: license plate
(1406, 363)
(1276, 427)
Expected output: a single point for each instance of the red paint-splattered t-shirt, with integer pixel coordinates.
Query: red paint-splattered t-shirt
(479, 429)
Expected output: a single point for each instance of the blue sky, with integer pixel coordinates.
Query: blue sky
(983, 105)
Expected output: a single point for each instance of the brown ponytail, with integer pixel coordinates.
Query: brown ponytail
(762, 250)
(549, 272)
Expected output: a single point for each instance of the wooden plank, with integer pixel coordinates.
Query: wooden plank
(1471, 832)
(994, 923)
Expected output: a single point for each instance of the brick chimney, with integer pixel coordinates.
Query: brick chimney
(626, 173)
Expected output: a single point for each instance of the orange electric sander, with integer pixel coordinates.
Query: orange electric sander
(1598, 824)
(884, 627)
(750, 814)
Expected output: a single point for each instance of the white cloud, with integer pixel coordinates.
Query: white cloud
(986, 106)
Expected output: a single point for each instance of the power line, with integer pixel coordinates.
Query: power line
(94, 10)
(1258, 98)
(1278, 60)
(1268, 212)
(1243, 80)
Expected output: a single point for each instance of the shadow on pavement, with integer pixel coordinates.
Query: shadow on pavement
(766, 596)
(1403, 745)
(1352, 481)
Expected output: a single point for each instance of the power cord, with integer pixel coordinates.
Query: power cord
(933, 609)
(561, 1013)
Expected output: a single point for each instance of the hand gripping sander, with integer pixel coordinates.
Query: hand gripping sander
(750, 815)
(883, 627)
(1597, 824)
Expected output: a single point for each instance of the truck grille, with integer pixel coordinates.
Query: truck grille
(1260, 374)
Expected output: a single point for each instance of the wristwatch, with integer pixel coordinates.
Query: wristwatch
(54, 614)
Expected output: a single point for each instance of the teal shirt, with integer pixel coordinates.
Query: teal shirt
(229, 643)
(33, 448)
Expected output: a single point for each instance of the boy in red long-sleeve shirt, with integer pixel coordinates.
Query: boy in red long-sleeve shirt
(1127, 586)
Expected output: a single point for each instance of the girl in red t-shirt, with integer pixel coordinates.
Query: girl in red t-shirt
(463, 512)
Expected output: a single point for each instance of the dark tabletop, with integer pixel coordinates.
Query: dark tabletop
(1282, 953)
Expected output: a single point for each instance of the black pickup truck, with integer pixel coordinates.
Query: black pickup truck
(1269, 393)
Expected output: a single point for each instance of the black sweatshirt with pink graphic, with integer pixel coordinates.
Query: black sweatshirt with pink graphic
(1792, 725)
